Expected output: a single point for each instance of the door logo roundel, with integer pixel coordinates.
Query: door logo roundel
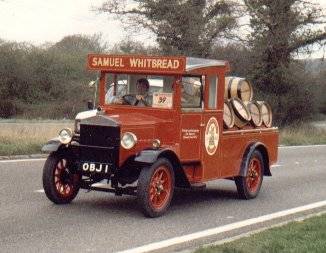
(211, 136)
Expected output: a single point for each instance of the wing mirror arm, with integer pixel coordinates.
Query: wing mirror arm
(91, 84)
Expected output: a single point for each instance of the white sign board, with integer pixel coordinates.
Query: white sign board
(162, 100)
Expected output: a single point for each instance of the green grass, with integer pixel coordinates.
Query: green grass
(307, 236)
(28, 137)
(303, 134)
(20, 136)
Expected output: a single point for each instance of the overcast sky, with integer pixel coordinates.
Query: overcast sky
(40, 21)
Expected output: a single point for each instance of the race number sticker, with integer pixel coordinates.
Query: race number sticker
(162, 100)
(211, 136)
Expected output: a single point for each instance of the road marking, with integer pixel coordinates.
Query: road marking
(40, 191)
(256, 231)
(303, 146)
(276, 165)
(222, 229)
(23, 160)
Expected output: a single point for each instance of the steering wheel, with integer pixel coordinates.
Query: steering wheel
(129, 99)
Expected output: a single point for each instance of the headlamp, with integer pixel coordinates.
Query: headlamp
(65, 135)
(128, 140)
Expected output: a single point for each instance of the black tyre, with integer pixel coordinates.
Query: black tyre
(60, 184)
(155, 188)
(249, 186)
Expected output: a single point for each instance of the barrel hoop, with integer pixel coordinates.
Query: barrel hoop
(229, 86)
(239, 89)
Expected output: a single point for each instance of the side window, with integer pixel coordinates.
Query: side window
(191, 92)
(213, 85)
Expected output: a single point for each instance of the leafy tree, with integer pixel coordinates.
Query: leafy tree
(181, 27)
(52, 77)
(129, 46)
(281, 28)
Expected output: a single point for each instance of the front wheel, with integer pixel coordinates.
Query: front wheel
(60, 184)
(249, 186)
(155, 188)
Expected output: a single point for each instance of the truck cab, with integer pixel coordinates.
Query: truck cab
(158, 125)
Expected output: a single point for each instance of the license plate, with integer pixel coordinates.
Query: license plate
(102, 168)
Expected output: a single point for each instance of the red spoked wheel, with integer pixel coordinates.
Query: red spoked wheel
(155, 188)
(64, 180)
(249, 186)
(253, 178)
(160, 187)
(60, 184)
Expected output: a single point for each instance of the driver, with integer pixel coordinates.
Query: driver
(142, 97)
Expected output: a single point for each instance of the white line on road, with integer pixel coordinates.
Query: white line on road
(277, 165)
(303, 146)
(222, 229)
(23, 160)
(40, 191)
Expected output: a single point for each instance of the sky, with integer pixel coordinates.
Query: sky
(41, 21)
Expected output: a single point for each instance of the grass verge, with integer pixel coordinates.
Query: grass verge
(20, 137)
(305, 236)
(304, 134)
(23, 138)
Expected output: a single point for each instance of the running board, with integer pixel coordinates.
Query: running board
(117, 191)
(198, 186)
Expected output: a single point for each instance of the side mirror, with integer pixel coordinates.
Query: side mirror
(91, 84)
(90, 105)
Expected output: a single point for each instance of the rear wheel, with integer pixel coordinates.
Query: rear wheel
(249, 186)
(155, 188)
(60, 184)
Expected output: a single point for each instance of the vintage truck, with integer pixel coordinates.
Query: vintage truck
(147, 147)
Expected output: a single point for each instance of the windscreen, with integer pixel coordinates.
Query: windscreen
(139, 90)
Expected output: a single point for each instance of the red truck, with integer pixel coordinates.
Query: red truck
(158, 125)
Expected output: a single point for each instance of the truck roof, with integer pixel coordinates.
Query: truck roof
(196, 63)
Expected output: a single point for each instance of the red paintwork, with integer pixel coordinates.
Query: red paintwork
(173, 126)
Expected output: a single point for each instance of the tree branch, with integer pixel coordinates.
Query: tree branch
(306, 42)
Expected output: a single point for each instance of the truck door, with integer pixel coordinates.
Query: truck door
(191, 119)
(212, 130)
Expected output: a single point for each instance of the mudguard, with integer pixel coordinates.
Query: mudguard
(245, 161)
(52, 145)
(149, 156)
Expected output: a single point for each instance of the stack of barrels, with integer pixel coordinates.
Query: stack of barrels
(239, 108)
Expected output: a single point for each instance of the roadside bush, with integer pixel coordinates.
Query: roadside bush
(291, 101)
(7, 109)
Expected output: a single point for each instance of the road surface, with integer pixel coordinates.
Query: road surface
(102, 222)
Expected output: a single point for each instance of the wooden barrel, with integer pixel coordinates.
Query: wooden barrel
(266, 113)
(241, 112)
(238, 87)
(254, 109)
(228, 115)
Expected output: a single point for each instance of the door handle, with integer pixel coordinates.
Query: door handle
(202, 124)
